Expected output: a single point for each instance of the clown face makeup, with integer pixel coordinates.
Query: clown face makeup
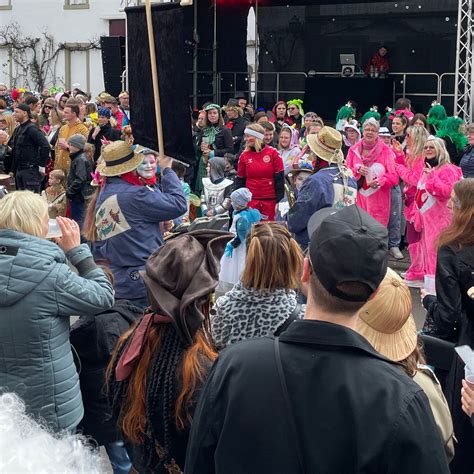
(148, 167)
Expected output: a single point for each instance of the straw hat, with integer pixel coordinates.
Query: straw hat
(119, 158)
(386, 320)
(327, 144)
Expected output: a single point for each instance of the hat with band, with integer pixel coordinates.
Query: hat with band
(119, 158)
(386, 320)
(347, 246)
(327, 144)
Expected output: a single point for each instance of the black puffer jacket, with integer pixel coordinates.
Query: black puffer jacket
(94, 338)
(29, 146)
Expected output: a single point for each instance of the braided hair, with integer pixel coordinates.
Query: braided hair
(161, 399)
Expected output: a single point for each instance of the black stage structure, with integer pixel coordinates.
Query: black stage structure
(295, 37)
(303, 35)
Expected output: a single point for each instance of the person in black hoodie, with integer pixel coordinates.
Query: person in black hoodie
(78, 180)
(236, 122)
(94, 338)
(103, 130)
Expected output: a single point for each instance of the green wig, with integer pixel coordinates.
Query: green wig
(372, 113)
(437, 115)
(346, 112)
(451, 128)
(298, 103)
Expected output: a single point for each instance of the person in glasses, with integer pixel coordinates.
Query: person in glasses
(431, 214)
(296, 113)
(43, 117)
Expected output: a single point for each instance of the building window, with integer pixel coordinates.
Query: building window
(5, 4)
(76, 4)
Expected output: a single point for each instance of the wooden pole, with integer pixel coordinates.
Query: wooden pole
(154, 76)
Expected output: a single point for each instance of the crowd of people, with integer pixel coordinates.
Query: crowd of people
(236, 311)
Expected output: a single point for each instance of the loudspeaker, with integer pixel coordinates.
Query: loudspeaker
(174, 87)
(113, 62)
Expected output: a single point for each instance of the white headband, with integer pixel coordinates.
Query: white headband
(254, 133)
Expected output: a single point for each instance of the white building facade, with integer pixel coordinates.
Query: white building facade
(68, 52)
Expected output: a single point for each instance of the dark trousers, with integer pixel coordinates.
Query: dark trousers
(77, 211)
(28, 179)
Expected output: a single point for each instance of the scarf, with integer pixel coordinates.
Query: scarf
(132, 353)
(132, 178)
(211, 133)
(372, 151)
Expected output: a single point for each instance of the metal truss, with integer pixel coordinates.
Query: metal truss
(463, 93)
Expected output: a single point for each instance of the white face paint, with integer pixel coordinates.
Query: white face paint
(148, 167)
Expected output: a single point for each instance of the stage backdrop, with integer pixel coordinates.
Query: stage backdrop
(170, 59)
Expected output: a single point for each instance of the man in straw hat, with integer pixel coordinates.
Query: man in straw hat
(319, 398)
(331, 186)
(128, 216)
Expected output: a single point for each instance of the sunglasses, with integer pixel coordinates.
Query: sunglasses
(47, 107)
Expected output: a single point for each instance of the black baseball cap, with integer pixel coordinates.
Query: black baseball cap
(25, 108)
(347, 245)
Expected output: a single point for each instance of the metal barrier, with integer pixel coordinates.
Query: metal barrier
(442, 82)
(436, 92)
(405, 75)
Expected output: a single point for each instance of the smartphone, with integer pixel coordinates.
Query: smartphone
(53, 229)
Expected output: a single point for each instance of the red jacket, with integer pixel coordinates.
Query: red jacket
(259, 169)
(380, 62)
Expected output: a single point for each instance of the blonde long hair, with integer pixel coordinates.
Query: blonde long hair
(441, 152)
(418, 137)
(11, 123)
(274, 259)
(259, 144)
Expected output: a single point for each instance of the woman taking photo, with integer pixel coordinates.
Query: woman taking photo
(160, 365)
(373, 166)
(36, 360)
(409, 168)
(261, 170)
(451, 311)
(263, 301)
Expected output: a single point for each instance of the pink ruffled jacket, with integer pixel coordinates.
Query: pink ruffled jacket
(410, 174)
(431, 214)
(375, 202)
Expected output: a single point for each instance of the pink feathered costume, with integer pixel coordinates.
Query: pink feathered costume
(432, 215)
(380, 161)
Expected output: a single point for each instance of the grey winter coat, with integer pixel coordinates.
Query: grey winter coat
(38, 293)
